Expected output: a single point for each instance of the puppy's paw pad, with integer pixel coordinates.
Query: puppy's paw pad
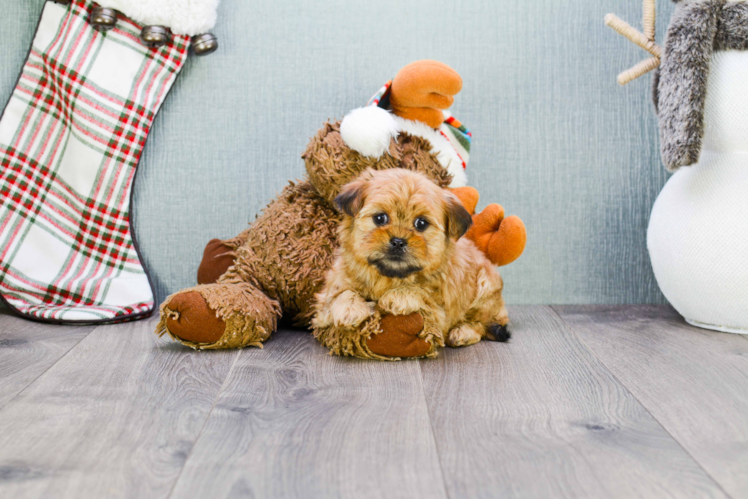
(463, 336)
(498, 333)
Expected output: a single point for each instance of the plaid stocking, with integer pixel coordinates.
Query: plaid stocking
(70, 140)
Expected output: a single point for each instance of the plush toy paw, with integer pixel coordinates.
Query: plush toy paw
(217, 258)
(399, 337)
(190, 318)
(501, 239)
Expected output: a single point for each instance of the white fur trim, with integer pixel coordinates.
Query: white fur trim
(184, 17)
(459, 178)
(441, 147)
(369, 130)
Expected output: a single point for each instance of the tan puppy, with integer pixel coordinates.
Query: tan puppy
(401, 252)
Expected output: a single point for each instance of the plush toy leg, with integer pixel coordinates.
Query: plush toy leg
(399, 337)
(217, 258)
(219, 316)
(387, 337)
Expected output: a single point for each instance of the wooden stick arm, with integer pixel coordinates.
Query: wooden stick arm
(644, 40)
(625, 29)
(648, 19)
(640, 69)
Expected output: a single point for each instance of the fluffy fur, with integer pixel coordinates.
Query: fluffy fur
(732, 27)
(183, 17)
(698, 27)
(387, 263)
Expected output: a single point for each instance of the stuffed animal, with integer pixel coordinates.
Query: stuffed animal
(696, 238)
(277, 265)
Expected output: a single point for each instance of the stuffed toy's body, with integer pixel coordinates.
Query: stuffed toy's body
(697, 235)
(277, 265)
(696, 238)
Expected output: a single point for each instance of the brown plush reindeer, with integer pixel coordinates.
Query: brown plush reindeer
(278, 264)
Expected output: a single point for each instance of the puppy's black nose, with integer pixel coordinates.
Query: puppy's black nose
(398, 244)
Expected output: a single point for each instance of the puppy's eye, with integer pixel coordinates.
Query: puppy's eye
(421, 224)
(381, 219)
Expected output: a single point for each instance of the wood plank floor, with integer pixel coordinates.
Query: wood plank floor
(585, 401)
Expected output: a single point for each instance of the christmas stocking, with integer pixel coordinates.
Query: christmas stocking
(71, 136)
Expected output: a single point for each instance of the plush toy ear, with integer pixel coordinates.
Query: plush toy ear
(458, 218)
(351, 197)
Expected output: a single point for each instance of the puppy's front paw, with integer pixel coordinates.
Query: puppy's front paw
(463, 335)
(401, 302)
(350, 309)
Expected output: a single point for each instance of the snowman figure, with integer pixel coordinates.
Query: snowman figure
(698, 230)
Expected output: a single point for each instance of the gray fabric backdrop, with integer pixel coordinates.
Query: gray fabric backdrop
(556, 140)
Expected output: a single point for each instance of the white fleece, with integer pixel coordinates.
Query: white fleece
(184, 17)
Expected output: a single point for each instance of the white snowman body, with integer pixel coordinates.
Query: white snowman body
(698, 230)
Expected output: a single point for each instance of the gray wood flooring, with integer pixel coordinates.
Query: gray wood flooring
(585, 401)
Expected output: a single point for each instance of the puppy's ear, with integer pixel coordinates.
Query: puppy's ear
(351, 198)
(458, 218)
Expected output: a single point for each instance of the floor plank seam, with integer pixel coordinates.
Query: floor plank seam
(48, 368)
(433, 432)
(633, 395)
(207, 418)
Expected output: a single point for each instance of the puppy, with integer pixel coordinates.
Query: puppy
(401, 252)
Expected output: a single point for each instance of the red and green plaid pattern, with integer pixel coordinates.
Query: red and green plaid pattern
(70, 140)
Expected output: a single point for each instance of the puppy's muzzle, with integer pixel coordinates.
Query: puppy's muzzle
(397, 246)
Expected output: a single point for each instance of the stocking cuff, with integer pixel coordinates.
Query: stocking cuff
(184, 17)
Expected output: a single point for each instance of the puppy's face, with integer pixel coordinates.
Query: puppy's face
(399, 222)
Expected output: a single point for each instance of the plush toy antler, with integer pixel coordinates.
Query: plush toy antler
(644, 40)
(422, 89)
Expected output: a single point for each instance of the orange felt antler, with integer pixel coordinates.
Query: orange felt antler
(501, 239)
(422, 89)
(468, 196)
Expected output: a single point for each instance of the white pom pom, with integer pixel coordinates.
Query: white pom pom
(369, 130)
